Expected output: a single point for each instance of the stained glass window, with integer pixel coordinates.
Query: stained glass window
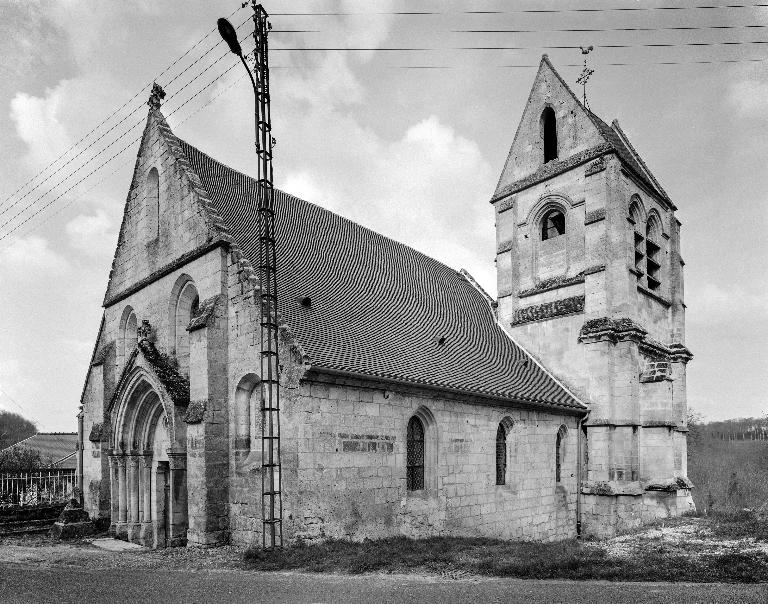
(415, 455)
(501, 455)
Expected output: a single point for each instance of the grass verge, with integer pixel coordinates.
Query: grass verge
(564, 560)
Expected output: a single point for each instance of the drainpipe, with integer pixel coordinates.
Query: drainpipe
(80, 454)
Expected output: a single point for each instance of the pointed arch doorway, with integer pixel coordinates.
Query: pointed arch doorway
(148, 466)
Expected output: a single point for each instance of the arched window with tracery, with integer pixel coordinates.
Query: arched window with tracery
(501, 455)
(549, 133)
(552, 224)
(562, 433)
(653, 252)
(153, 204)
(415, 455)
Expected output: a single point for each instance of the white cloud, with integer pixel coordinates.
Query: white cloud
(712, 303)
(92, 234)
(38, 125)
(28, 255)
(748, 97)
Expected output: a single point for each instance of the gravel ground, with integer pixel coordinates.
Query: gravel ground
(692, 537)
(41, 550)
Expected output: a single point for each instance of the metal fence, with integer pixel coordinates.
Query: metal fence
(34, 487)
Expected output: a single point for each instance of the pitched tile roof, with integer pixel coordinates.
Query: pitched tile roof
(378, 308)
(58, 447)
(615, 136)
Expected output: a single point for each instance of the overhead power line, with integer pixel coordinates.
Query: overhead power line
(109, 160)
(60, 209)
(606, 29)
(101, 138)
(534, 65)
(118, 110)
(529, 11)
(552, 47)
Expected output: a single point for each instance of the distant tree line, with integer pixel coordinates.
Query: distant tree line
(741, 428)
(15, 428)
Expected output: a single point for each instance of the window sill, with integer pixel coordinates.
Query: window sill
(661, 299)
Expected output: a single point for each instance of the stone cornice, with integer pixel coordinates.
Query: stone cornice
(609, 329)
(660, 299)
(558, 282)
(553, 168)
(679, 353)
(549, 310)
(165, 270)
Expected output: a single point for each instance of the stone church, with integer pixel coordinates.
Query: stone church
(412, 403)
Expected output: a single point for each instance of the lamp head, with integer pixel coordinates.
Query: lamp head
(230, 36)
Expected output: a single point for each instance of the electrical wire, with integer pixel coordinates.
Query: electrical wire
(528, 11)
(115, 112)
(608, 29)
(60, 209)
(87, 148)
(534, 65)
(557, 47)
(111, 158)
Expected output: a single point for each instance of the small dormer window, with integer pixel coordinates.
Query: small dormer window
(549, 134)
(552, 225)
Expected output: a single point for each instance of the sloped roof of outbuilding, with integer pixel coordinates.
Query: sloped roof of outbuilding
(378, 308)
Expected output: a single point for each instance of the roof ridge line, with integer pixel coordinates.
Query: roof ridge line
(212, 217)
(554, 378)
(466, 274)
(617, 128)
(317, 205)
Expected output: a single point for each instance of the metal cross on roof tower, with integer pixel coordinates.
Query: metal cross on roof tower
(585, 74)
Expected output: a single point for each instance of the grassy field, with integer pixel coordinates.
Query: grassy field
(727, 475)
(719, 548)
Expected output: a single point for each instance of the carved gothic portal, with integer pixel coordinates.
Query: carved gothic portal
(147, 468)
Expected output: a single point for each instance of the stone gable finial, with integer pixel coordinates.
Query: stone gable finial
(157, 96)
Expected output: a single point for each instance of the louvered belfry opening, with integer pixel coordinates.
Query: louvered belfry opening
(501, 455)
(415, 455)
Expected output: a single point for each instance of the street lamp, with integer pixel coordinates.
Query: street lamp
(229, 35)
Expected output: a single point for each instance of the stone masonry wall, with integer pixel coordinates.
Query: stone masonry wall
(344, 468)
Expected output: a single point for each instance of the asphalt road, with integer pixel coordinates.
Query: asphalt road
(41, 584)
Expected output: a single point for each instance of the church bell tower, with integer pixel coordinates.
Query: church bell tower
(590, 282)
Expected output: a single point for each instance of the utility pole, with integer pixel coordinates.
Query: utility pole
(271, 490)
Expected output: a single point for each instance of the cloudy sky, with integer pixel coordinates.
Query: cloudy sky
(407, 142)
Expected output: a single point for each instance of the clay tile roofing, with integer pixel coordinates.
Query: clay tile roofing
(56, 447)
(378, 307)
(619, 141)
